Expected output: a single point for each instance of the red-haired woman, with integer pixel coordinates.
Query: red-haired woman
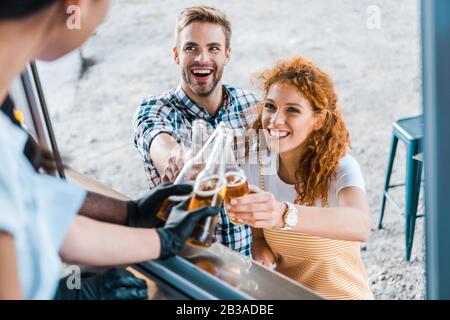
(310, 214)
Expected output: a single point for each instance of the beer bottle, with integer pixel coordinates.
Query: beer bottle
(237, 185)
(192, 167)
(209, 190)
(199, 136)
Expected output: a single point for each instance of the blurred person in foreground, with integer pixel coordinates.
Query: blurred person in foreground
(39, 224)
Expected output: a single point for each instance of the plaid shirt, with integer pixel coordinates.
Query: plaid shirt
(173, 113)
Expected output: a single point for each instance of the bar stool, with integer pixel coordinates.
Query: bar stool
(410, 131)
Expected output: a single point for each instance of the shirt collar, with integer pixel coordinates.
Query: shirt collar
(197, 111)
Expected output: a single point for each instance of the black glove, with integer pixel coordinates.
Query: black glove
(142, 212)
(113, 284)
(39, 156)
(179, 227)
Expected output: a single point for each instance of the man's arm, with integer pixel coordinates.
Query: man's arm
(103, 208)
(156, 136)
(167, 155)
(134, 213)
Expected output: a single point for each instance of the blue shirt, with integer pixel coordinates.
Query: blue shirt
(173, 113)
(36, 210)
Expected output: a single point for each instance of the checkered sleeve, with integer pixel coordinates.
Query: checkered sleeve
(236, 237)
(152, 118)
(245, 108)
(251, 112)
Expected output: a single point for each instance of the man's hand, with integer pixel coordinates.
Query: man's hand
(180, 226)
(142, 212)
(163, 147)
(174, 166)
(113, 284)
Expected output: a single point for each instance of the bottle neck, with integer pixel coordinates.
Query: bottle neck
(199, 137)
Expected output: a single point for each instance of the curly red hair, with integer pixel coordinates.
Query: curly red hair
(323, 148)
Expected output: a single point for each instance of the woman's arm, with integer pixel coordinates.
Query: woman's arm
(349, 221)
(103, 244)
(9, 273)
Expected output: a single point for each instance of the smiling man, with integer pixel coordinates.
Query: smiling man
(163, 123)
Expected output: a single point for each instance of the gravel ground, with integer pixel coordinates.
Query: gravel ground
(376, 72)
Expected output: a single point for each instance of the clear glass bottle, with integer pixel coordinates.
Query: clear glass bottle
(237, 185)
(192, 167)
(209, 190)
(199, 136)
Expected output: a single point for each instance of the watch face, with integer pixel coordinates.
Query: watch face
(291, 218)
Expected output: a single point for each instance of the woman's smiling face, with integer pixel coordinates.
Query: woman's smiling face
(287, 118)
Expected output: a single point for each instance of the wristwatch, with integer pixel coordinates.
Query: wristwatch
(290, 217)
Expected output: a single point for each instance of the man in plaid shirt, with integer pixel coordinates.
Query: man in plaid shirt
(163, 123)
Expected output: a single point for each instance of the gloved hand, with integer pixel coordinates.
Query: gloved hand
(179, 227)
(142, 212)
(113, 284)
(39, 156)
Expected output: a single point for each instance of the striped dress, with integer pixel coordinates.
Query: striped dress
(332, 268)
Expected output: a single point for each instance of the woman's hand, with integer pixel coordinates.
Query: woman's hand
(262, 254)
(258, 209)
(267, 259)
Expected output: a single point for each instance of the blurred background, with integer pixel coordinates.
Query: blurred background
(371, 49)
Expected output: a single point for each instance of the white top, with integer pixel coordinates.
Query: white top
(36, 210)
(349, 175)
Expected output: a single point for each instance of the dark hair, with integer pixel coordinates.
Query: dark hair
(15, 9)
